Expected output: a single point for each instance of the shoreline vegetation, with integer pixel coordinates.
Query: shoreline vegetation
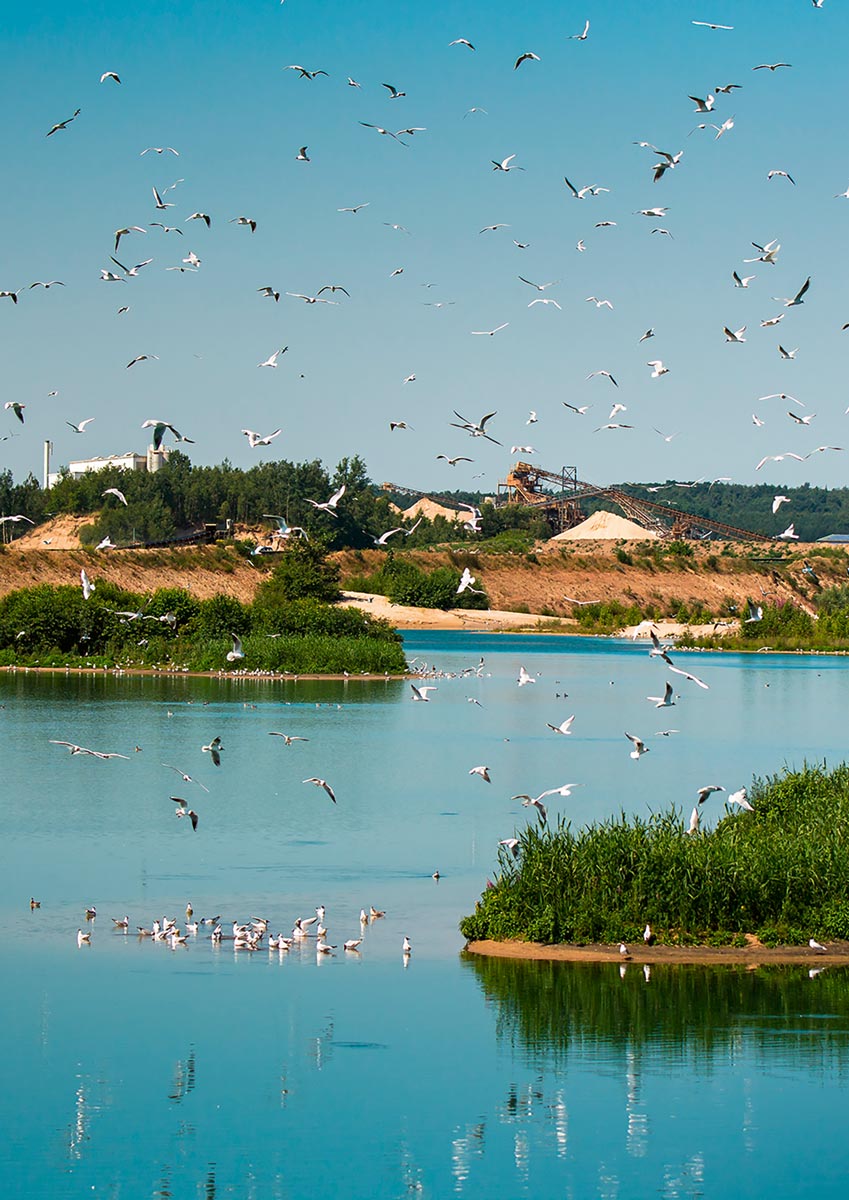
(294, 625)
(776, 874)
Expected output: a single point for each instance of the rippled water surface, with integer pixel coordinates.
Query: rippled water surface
(132, 1070)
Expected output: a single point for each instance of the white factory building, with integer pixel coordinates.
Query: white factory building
(130, 461)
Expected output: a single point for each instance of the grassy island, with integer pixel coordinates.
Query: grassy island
(780, 872)
(294, 625)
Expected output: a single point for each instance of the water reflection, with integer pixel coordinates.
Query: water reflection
(554, 1009)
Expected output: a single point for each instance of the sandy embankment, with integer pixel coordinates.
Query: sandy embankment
(752, 955)
(406, 617)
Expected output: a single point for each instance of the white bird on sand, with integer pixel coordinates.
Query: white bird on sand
(664, 701)
(483, 772)
(329, 506)
(565, 727)
(237, 652)
(812, 942)
(420, 691)
(322, 783)
(639, 745)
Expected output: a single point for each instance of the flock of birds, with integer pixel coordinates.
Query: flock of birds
(173, 221)
(248, 936)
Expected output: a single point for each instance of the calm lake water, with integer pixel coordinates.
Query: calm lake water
(135, 1071)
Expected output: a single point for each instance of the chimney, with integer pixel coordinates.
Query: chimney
(48, 450)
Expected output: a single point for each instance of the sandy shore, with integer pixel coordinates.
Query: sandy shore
(752, 955)
(490, 620)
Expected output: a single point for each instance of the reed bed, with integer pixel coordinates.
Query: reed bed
(781, 872)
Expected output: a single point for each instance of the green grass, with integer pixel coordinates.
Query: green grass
(780, 872)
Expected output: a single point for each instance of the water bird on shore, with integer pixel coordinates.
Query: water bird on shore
(322, 783)
(648, 937)
(624, 951)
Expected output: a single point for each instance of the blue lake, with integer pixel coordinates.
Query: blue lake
(134, 1070)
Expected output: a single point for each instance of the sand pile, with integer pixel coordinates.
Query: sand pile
(430, 509)
(602, 525)
(60, 533)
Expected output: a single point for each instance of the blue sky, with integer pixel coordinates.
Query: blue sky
(210, 81)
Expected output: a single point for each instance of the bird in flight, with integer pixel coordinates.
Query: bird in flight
(462, 42)
(63, 124)
(81, 427)
(271, 361)
(258, 439)
(711, 25)
(579, 37)
(476, 430)
(528, 55)
(185, 778)
(322, 783)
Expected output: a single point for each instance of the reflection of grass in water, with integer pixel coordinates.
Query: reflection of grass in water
(550, 1008)
(779, 871)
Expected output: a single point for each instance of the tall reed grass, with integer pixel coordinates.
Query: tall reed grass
(781, 872)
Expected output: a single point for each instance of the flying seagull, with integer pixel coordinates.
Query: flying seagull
(322, 783)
